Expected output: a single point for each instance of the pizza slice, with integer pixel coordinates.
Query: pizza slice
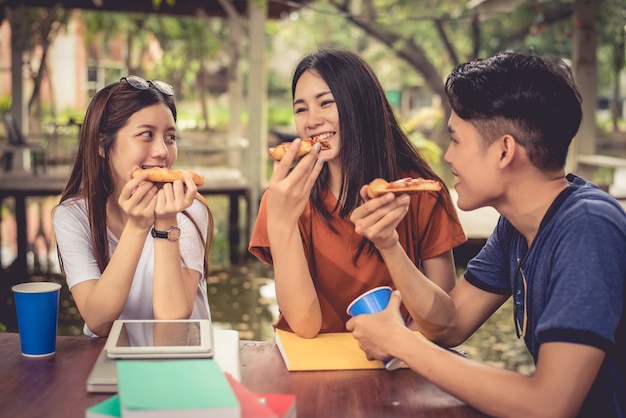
(278, 152)
(379, 187)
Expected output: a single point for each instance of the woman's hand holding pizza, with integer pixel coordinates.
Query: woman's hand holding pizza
(138, 200)
(173, 198)
(174, 190)
(289, 189)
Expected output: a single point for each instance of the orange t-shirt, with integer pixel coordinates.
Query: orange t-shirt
(427, 231)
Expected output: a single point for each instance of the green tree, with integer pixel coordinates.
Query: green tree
(432, 36)
(612, 32)
(34, 33)
(188, 43)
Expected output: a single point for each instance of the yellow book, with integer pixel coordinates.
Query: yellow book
(331, 351)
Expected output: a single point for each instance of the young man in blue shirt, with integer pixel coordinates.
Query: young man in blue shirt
(559, 249)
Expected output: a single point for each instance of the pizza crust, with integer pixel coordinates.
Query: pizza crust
(165, 175)
(379, 187)
(278, 152)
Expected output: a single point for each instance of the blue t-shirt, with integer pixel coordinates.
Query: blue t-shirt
(569, 285)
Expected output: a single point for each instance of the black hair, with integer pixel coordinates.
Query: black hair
(532, 98)
(373, 143)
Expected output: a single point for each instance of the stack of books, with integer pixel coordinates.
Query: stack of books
(186, 388)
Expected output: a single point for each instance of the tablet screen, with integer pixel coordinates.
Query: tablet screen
(160, 338)
(159, 334)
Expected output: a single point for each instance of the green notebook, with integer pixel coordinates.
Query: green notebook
(180, 388)
(109, 407)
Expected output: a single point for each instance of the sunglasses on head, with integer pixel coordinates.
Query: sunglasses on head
(141, 84)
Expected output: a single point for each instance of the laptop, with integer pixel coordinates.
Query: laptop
(103, 375)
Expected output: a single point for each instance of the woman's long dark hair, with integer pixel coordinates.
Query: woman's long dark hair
(108, 111)
(372, 142)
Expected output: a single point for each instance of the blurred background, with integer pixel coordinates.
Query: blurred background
(230, 62)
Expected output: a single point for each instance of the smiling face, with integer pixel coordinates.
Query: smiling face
(474, 164)
(148, 139)
(316, 114)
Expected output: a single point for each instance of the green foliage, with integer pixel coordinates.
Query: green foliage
(185, 42)
(421, 125)
(191, 44)
(430, 150)
(279, 114)
(157, 3)
(5, 103)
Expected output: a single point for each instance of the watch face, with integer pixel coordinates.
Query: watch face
(173, 233)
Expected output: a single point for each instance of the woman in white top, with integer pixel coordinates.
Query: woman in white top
(130, 248)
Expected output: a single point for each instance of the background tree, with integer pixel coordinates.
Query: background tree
(434, 36)
(411, 44)
(612, 32)
(35, 33)
(188, 45)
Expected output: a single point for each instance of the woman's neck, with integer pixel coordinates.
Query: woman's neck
(334, 179)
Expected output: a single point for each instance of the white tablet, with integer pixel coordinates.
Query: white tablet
(160, 339)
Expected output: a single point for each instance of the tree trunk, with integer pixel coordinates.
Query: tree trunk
(584, 66)
(618, 66)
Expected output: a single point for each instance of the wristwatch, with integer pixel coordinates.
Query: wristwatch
(171, 234)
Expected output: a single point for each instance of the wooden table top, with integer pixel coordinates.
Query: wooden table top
(55, 386)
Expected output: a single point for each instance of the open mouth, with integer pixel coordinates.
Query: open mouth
(322, 137)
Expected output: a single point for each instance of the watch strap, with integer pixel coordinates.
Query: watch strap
(172, 234)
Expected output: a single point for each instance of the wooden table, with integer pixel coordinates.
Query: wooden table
(55, 386)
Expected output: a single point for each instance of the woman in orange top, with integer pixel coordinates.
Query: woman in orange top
(303, 228)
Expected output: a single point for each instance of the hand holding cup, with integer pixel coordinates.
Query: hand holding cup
(373, 301)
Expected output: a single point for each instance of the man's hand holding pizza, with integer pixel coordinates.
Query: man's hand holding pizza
(377, 218)
(386, 204)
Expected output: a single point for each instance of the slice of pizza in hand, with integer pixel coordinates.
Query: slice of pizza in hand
(379, 187)
(166, 175)
(278, 152)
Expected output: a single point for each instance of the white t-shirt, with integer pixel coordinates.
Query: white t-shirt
(73, 235)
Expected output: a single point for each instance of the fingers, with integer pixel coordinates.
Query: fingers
(394, 301)
(380, 213)
(350, 325)
(363, 193)
(138, 200)
(175, 197)
(190, 189)
(318, 164)
(304, 167)
(290, 190)
(281, 167)
(188, 180)
(137, 189)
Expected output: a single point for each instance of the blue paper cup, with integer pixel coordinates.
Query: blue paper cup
(37, 306)
(372, 301)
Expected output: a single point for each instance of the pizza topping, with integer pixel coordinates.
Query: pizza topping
(279, 151)
(379, 187)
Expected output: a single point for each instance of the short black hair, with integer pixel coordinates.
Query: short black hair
(532, 98)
